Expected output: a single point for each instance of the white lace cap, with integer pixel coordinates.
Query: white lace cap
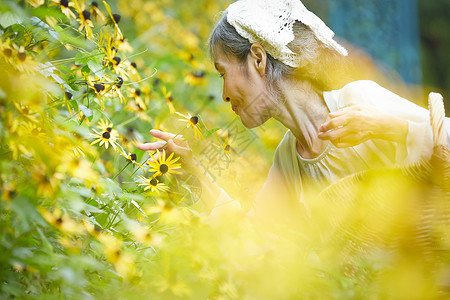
(270, 23)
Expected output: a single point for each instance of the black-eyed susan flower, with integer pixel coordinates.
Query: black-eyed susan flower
(61, 221)
(114, 21)
(98, 88)
(145, 236)
(124, 46)
(96, 12)
(137, 95)
(36, 3)
(84, 17)
(6, 50)
(130, 157)
(192, 121)
(105, 125)
(162, 166)
(115, 89)
(65, 7)
(122, 261)
(152, 184)
(132, 71)
(195, 78)
(22, 61)
(169, 99)
(106, 137)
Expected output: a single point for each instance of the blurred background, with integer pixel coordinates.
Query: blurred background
(409, 37)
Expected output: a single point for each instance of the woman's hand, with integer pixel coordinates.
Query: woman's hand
(355, 124)
(172, 144)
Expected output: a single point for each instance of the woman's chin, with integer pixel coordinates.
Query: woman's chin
(251, 122)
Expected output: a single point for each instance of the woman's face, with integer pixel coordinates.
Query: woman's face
(245, 88)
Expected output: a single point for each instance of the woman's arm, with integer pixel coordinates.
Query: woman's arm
(212, 195)
(369, 111)
(355, 124)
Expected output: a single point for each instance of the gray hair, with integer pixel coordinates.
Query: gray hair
(305, 43)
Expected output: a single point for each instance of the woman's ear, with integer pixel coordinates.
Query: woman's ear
(258, 58)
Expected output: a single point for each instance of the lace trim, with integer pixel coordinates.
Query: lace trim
(271, 24)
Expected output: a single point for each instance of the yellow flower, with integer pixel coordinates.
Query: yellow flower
(192, 121)
(131, 157)
(6, 50)
(106, 137)
(60, 221)
(195, 78)
(144, 235)
(115, 19)
(115, 88)
(122, 261)
(153, 184)
(36, 3)
(168, 96)
(98, 88)
(104, 125)
(162, 165)
(96, 12)
(65, 7)
(84, 17)
(124, 46)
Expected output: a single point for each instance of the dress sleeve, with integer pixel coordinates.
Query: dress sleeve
(419, 140)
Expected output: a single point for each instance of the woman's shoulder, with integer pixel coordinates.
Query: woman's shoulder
(356, 88)
(359, 92)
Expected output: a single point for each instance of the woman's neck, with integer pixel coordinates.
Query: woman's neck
(303, 111)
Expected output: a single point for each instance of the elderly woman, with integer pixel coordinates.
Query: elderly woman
(277, 60)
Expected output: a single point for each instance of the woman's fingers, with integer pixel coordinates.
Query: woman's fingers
(152, 146)
(333, 123)
(162, 135)
(345, 110)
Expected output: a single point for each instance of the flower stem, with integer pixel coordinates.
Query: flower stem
(122, 170)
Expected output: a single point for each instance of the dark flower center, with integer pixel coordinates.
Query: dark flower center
(106, 135)
(227, 148)
(170, 99)
(108, 129)
(116, 18)
(138, 92)
(133, 157)
(97, 228)
(117, 60)
(99, 87)
(119, 84)
(59, 220)
(86, 15)
(163, 168)
(133, 64)
(7, 52)
(200, 74)
(154, 182)
(22, 56)
(35, 131)
(94, 4)
(64, 3)
(194, 120)
(68, 95)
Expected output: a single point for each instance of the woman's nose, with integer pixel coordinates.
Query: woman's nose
(225, 98)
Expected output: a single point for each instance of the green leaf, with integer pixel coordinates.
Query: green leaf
(86, 111)
(8, 18)
(84, 57)
(208, 132)
(96, 68)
